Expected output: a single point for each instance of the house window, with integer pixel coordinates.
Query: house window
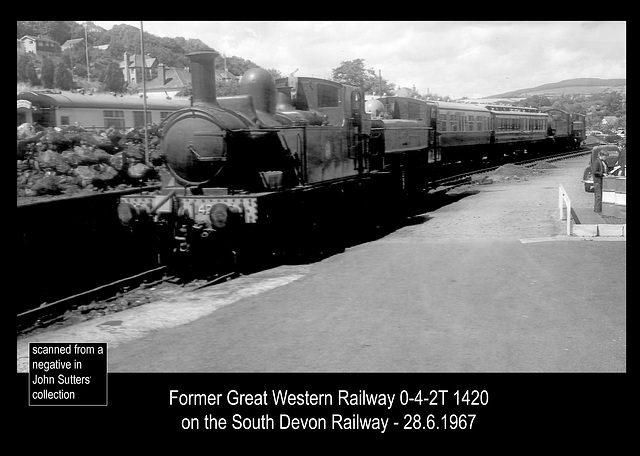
(113, 118)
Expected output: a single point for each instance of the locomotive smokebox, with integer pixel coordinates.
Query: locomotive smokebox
(212, 146)
(203, 77)
(197, 141)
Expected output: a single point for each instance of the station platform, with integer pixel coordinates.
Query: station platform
(587, 223)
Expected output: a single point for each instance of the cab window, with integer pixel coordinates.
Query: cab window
(328, 96)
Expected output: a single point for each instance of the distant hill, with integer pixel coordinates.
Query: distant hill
(569, 86)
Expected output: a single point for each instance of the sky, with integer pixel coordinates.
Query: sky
(470, 59)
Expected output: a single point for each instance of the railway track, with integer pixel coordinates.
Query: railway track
(108, 298)
(457, 180)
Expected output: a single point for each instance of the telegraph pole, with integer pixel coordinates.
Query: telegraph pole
(144, 97)
(86, 49)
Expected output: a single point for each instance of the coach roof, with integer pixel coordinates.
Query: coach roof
(100, 101)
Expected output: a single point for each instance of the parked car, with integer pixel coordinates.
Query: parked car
(612, 161)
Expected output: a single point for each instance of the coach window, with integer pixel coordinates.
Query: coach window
(472, 121)
(64, 120)
(113, 118)
(443, 122)
(164, 115)
(138, 118)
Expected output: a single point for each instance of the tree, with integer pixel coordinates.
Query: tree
(235, 65)
(30, 71)
(80, 70)
(535, 101)
(47, 75)
(114, 79)
(275, 73)
(63, 79)
(353, 72)
(227, 88)
(23, 75)
(58, 31)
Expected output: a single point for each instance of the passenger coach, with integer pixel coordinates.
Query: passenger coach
(96, 111)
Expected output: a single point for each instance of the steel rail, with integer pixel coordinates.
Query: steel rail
(63, 304)
(458, 180)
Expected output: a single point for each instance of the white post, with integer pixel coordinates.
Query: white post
(563, 198)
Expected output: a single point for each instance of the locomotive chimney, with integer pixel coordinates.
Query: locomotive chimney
(203, 78)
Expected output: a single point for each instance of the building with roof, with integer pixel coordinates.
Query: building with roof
(70, 44)
(132, 67)
(43, 47)
(21, 50)
(169, 82)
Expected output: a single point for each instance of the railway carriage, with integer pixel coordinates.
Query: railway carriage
(96, 111)
(464, 131)
(517, 129)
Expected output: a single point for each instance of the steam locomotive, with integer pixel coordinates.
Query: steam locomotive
(303, 164)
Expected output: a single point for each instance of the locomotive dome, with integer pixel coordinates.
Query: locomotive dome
(374, 107)
(259, 83)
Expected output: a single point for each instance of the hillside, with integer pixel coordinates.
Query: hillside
(109, 46)
(569, 86)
